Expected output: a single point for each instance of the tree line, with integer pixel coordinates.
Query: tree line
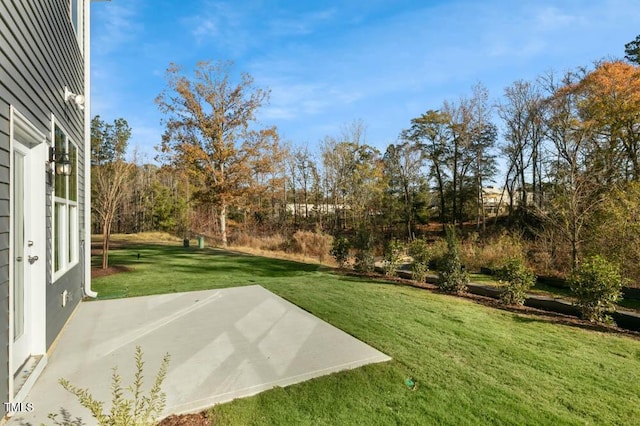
(569, 145)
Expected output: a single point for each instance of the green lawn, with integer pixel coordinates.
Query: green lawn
(472, 364)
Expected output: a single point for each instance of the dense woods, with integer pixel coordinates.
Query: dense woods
(554, 163)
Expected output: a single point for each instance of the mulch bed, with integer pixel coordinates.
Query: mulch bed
(195, 419)
(111, 270)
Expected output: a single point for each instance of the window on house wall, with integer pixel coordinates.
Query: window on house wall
(65, 207)
(76, 15)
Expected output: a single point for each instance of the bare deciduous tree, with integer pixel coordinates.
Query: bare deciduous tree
(110, 174)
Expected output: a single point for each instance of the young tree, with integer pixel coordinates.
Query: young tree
(207, 120)
(110, 174)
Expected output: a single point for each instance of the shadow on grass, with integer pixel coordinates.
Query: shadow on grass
(193, 260)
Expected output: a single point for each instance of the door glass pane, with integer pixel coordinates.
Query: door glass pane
(18, 244)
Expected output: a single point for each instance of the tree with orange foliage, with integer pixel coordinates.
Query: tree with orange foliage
(207, 132)
(610, 105)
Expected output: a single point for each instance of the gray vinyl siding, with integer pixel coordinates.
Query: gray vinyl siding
(39, 56)
(4, 253)
(56, 314)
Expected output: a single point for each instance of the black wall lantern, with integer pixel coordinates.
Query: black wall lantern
(59, 162)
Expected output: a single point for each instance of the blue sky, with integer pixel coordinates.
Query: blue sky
(328, 63)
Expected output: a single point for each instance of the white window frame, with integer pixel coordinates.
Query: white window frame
(67, 248)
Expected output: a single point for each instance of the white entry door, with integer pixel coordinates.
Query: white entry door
(21, 259)
(28, 242)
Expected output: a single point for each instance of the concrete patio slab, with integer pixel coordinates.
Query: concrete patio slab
(224, 344)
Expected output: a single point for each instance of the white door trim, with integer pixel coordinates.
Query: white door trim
(24, 134)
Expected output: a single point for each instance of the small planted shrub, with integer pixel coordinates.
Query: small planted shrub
(419, 251)
(340, 250)
(452, 278)
(519, 280)
(140, 410)
(392, 257)
(363, 243)
(597, 285)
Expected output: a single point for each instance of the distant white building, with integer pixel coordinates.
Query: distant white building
(497, 200)
(314, 209)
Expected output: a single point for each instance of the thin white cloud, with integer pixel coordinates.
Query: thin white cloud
(300, 24)
(552, 18)
(116, 25)
(291, 100)
(206, 28)
(218, 23)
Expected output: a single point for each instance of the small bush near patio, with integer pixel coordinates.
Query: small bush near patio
(392, 257)
(519, 280)
(420, 253)
(340, 251)
(140, 410)
(597, 284)
(452, 278)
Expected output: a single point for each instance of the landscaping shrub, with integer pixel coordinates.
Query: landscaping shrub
(141, 410)
(597, 284)
(316, 244)
(392, 257)
(340, 250)
(419, 251)
(363, 243)
(519, 279)
(452, 278)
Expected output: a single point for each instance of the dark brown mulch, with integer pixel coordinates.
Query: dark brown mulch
(533, 314)
(195, 419)
(111, 270)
